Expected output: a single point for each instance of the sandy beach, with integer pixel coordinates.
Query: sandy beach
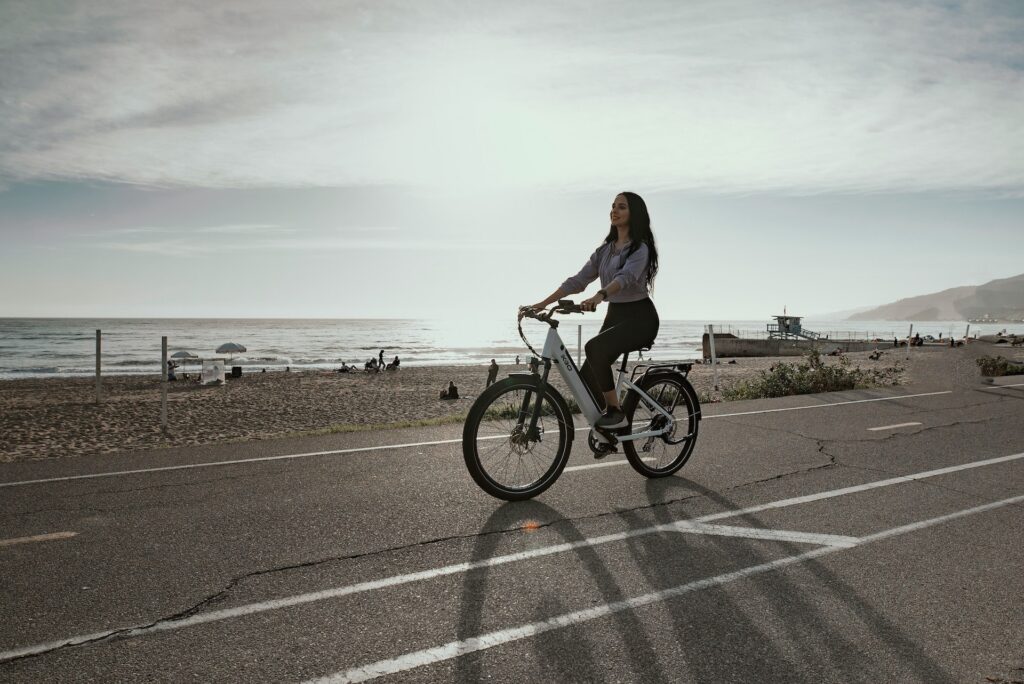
(59, 417)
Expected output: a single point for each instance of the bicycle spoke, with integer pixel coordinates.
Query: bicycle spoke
(647, 417)
(519, 458)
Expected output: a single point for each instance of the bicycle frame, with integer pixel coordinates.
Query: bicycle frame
(554, 352)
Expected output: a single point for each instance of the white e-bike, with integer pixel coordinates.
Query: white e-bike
(519, 432)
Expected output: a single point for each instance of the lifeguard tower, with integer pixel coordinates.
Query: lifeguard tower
(786, 327)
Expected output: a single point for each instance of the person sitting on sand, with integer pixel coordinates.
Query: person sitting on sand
(370, 366)
(451, 393)
(170, 371)
(394, 364)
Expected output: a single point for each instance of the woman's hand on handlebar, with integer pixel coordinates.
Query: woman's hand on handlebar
(591, 304)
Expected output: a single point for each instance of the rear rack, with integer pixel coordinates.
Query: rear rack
(683, 368)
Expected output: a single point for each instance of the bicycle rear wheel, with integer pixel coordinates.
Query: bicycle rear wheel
(659, 456)
(504, 458)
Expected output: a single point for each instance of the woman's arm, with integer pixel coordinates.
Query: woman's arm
(634, 271)
(553, 297)
(574, 284)
(591, 304)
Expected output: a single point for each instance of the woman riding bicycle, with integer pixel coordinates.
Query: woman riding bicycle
(626, 262)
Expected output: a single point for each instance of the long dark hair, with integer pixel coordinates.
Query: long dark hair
(639, 232)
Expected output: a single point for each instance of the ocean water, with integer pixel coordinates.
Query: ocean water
(41, 347)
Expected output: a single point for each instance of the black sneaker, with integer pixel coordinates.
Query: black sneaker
(612, 418)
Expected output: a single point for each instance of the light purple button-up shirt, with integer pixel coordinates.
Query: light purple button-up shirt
(612, 265)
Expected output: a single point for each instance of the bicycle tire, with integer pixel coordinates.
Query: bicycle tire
(679, 398)
(513, 453)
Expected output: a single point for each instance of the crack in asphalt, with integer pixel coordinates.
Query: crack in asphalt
(784, 431)
(222, 594)
(973, 496)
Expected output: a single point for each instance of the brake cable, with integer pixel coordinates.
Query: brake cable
(522, 336)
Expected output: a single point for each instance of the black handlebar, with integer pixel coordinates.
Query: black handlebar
(564, 306)
(568, 306)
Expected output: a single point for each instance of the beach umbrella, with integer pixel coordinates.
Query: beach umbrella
(183, 355)
(230, 348)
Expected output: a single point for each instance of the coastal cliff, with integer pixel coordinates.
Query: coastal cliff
(998, 300)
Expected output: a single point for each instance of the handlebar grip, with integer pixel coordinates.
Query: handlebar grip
(568, 306)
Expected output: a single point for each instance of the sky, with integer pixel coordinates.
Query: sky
(440, 159)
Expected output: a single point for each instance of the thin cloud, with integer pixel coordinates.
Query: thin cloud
(731, 97)
(270, 238)
(225, 229)
(142, 230)
(184, 247)
(243, 229)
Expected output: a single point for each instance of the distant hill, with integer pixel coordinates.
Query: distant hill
(844, 315)
(998, 299)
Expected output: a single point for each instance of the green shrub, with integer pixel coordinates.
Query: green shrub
(998, 367)
(809, 377)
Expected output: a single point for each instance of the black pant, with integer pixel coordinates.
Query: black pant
(627, 327)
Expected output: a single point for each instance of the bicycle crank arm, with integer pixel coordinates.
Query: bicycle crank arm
(608, 435)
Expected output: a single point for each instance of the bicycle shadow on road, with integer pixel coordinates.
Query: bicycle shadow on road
(551, 647)
(819, 644)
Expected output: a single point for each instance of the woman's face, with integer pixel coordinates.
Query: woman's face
(620, 212)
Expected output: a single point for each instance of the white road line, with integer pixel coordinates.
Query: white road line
(813, 406)
(458, 568)
(913, 527)
(838, 403)
(1019, 384)
(210, 464)
(454, 649)
(892, 427)
(602, 464)
(859, 488)
(335, 452)
(682, 526)
(688, 526)
(53, 536)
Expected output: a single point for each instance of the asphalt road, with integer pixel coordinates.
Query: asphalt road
(801, 543)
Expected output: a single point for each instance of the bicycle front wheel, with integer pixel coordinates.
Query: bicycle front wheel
(505, 457)
(665, 454)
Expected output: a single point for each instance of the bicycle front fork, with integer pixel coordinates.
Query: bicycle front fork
(533, 416)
